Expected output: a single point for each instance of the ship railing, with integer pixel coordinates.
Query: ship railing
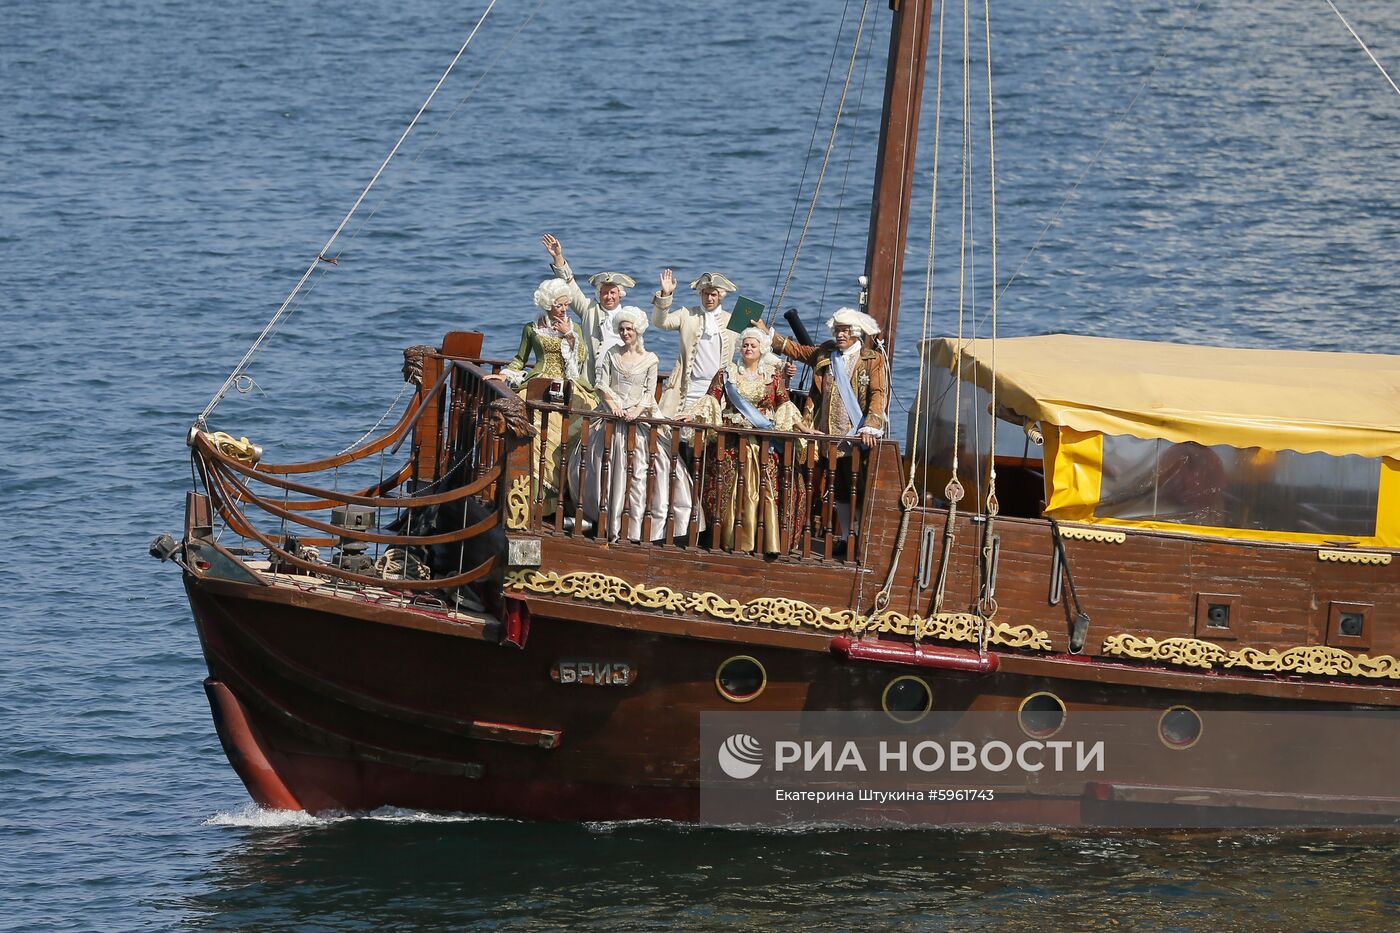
(459, 454)
(817, 482)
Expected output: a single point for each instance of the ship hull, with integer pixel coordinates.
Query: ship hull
(328, 704)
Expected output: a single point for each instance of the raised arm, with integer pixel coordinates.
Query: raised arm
(794, 350)
(662, 315)
(560, 266)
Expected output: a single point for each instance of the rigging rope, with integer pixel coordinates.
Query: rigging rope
(986, 595)
(993, 507)
(910, 498)
(1365, 48)
(331, 262)
(807, 162)
(826, 158)
(953, 491)
(321, 257)
(845, 177)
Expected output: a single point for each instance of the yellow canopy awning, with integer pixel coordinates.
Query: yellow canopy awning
(1337, 403)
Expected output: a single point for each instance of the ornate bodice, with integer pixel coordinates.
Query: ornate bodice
(629, 385)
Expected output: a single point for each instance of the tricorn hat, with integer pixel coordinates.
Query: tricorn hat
(714, 280)
(612, 278)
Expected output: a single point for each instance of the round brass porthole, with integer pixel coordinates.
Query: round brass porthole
(1041, 715)
(741, 678)
(1179, 727)
(907, 699)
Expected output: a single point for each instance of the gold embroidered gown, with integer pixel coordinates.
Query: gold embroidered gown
(735, 518)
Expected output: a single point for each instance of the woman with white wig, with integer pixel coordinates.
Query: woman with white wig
(626, 388)
(555, 341)
(751, 393)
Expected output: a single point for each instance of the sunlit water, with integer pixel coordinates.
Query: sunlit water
(168, 172)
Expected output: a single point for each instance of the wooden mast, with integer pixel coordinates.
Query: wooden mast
(894, 163)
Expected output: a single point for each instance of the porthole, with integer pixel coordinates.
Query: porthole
(907, 699)
(1041, 715)
(741, 679)
(1179, 727)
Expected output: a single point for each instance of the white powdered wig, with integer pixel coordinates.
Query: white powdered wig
(767, 360)
(765, 339)
(863, 324)
(631, 315)
(550, 291)
(634, 316)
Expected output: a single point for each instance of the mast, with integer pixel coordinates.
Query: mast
(894, 162)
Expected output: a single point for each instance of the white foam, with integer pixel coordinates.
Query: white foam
(255, 817)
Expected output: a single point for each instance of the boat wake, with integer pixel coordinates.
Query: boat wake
(252, 816)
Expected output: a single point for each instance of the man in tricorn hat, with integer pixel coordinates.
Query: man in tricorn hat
(706, 341)
(706, 344)
(850, 391)
(596, 314)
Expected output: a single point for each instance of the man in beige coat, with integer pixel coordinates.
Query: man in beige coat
(596, 314)
(706, 344)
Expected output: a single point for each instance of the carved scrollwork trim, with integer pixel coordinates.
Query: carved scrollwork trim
(775, 610)
(518, 503)
(1318, 660)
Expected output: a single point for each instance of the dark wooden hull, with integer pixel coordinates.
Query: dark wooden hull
(324, 703)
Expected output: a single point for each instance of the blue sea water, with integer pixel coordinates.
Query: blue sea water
(170, 169)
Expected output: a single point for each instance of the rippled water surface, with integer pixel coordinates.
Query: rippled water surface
(170, 169)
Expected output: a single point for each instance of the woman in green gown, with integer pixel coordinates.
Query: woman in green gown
(556, 344)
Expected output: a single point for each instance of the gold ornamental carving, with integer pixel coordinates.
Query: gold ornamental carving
(1355, 557)
(518, 503)
(775, 610)
(1101, 535)
(596, 587)
(1319, 660)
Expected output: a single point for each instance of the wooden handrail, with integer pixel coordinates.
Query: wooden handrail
(313, 505)
(699, 425)
(485, 524)
(387, 583)
(333, 498)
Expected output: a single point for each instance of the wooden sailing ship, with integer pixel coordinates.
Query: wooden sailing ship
(1175, 531)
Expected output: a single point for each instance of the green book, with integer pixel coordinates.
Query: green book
(744, 314)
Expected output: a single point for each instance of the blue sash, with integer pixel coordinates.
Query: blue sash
(744, 407)
(848, 394)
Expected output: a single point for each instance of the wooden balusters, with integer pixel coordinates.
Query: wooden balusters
(630, 461)
(695, 465)
(652, 466)
(788, 500)
(741, 451)
(828, 486)
(604, 478)
(854, 503)
(814, 492)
